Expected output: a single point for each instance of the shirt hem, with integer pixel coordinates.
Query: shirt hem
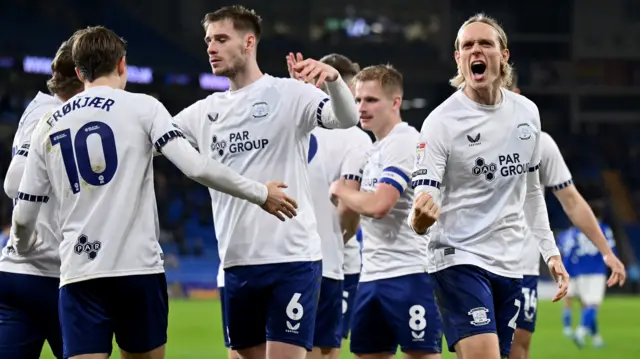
(261, 261)
(123, 273)
(364, 277)
(501, 273)
(19, 269)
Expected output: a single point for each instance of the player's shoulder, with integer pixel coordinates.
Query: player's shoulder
(522, 103)
(403, 138)
(357, 136)
(38, 107)
(445, 114)
(291, 87)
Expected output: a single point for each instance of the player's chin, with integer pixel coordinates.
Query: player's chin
(366, 123)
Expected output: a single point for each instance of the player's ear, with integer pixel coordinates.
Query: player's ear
(456, 55)
(397, 103)
(79, 74)
(250, 42)
(121, 67)
(505, 55)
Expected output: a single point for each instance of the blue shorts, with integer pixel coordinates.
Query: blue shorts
(349, 297)
(272, 302)
(529, 299)
(225, 334)
(328, 329)
(475, 301)
(134, 308)
(396, 311)
(28, 316)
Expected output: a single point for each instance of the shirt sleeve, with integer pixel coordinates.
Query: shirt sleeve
(396, 162)
(34, 191)
(432, 153)
(354, 160)
(336, 110)
(535, 208)
(188, 119)
(554, 172)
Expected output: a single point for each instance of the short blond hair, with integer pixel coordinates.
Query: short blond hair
(506, 70)
(386, 75)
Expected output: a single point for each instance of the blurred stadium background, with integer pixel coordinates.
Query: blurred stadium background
(578, 60)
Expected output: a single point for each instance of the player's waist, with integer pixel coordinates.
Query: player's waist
(370, 273)
(71, 276)
(443, 258)
(25, 265)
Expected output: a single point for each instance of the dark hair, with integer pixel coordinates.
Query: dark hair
(64, 82)
(96, 52)
(243, 19)
(386, 75)
(347, 68)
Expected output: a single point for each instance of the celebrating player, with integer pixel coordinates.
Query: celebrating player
(261, 128)
(94, 153)
(554, 174)
(590, 279)
(482, 146)
(333, 154)
(394, 303)
(29, 290)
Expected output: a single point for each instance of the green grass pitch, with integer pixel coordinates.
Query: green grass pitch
(195, 332)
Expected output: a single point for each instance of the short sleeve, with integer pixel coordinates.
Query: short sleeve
(188, 119)
(355, 159)
(432, 153)
(313, 102)
(160, 128)
(554, 172)
(396, 160)
(35, 185)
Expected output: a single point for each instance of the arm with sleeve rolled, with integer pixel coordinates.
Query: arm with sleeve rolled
(171, 142)
(339, 110)
(432, 153)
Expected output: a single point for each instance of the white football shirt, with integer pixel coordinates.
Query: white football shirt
(44, 259)
(95, 155)
(262, 131)
(352, 257)
(481, 156)
(390, 248)
(333, 154)
(554, 174)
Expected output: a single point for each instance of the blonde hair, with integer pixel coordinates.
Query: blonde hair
(506, 70)
(386, 75)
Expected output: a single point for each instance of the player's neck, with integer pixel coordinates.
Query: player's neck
(110, 81)
(486, 96)
(384, 130)
(250, 74)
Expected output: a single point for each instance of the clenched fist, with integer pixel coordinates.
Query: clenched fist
(425, 213)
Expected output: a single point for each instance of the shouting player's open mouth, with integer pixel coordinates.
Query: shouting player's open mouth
(478, 69)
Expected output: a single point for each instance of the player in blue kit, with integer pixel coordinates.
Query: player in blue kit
(29, 283)
(590, 280)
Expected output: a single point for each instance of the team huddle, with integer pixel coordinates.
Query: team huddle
(452, 219)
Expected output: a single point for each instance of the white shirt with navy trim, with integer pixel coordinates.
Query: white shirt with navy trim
(389, 247)
(43, 260)
(333, 154)
(481, 157)
(555, 175)
(94, 153)
(262, 131)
